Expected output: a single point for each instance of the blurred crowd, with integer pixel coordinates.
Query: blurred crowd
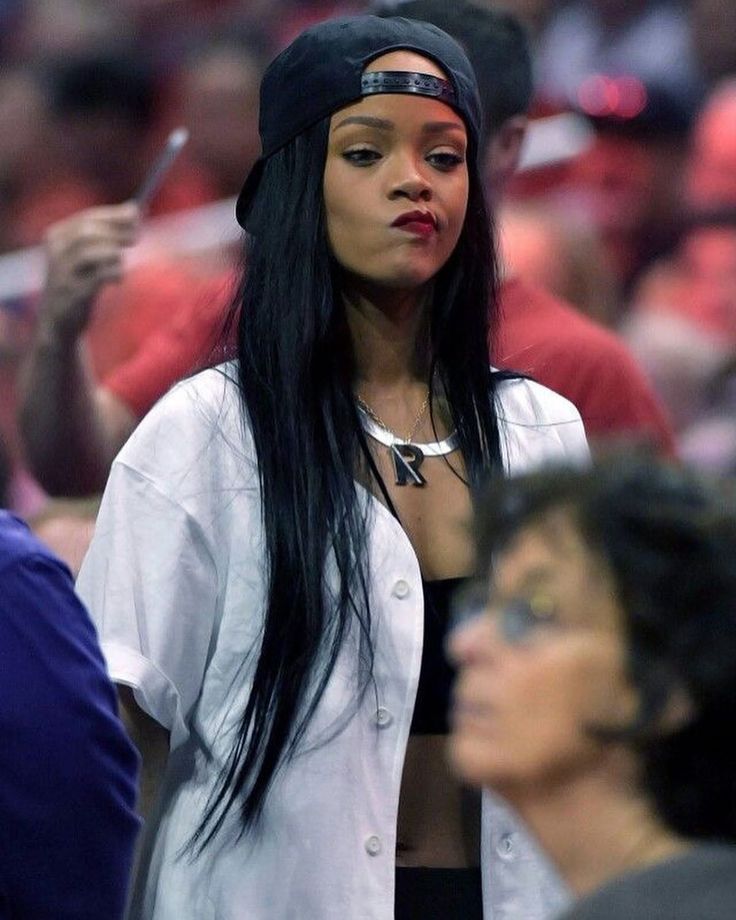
(627, 209)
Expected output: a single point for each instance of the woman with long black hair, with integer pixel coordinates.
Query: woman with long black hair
(278, 540)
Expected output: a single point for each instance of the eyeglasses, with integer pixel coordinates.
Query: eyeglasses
(518, 619)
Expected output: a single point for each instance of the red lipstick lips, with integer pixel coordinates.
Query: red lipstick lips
(421, 223)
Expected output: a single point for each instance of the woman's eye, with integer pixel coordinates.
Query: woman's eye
(361, 156)
(522, 618)
(445, 160)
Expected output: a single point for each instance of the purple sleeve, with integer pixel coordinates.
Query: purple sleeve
(67, 769)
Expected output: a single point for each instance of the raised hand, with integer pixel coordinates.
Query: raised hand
(84, 252)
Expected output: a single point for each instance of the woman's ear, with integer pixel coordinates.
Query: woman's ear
(678, 711)
(503, 153)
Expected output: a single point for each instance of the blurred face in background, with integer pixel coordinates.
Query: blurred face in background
(708, 260)
(711, 168)
(544, 661)
(221, 110)
(629, 188)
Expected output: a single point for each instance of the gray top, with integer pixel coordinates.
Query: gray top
(698, 885)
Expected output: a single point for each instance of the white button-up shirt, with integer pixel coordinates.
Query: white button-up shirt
(175, 581)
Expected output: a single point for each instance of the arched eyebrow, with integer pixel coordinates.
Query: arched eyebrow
(384, 124)
(531, 580)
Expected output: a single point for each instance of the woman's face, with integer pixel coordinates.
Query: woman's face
(396, 183)
(544, 662)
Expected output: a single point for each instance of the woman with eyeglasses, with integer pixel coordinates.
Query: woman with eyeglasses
(597, 683)
(278, 540)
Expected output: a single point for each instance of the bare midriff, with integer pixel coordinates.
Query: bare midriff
(439, 818)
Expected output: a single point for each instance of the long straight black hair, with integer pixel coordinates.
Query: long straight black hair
(295, 370)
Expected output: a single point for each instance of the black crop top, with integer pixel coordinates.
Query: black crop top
(437, 674)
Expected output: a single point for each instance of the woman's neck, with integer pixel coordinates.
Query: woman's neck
(594, 833)
(390, 340)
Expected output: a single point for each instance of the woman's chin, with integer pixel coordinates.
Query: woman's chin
(470, 761)
(401, 276)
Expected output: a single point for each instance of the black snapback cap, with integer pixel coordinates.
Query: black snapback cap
(321, 71)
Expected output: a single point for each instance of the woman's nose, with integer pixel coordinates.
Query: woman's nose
(471, 640)
(410, 181)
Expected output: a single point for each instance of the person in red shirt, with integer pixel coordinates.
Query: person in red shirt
(540, 334)
(74, 426)
(93, 371)
(553, 342)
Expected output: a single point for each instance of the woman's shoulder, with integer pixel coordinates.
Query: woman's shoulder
(537, 426)
(699, 883)
(199, 422)
(522, 401)
(214, 388)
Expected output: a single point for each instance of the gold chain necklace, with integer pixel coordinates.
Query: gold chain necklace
(377, 418)
(407, 456)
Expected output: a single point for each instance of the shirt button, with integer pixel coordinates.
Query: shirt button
(505, 847)
(373, 845)
(401, 588)
(383, 717)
